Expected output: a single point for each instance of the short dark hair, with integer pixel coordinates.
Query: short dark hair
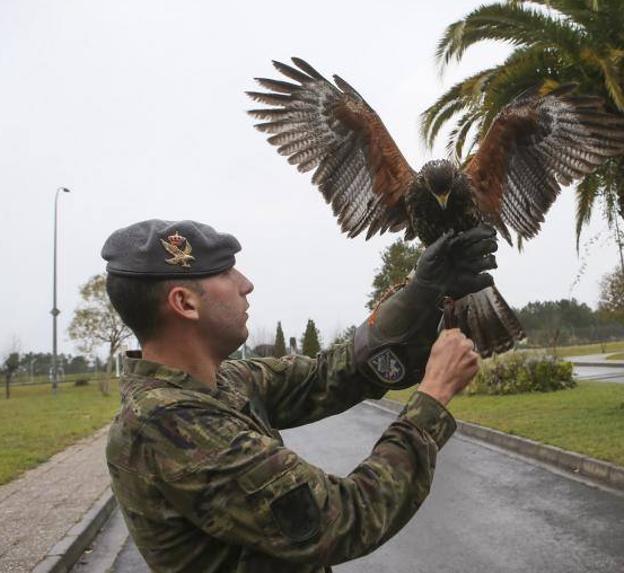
(138, 301)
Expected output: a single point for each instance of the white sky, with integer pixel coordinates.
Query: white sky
(138, 107)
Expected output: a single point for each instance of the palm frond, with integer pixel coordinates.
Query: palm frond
(464, 95)
(458, 136)
(586, 192)
(613, 80)
(599, 18)
(510, 22)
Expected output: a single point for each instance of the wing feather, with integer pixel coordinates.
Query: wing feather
(536, 145)
(330, 128)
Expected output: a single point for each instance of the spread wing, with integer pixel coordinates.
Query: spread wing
(535, 145)
(359, 168)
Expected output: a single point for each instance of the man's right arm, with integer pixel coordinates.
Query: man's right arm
(245, 488)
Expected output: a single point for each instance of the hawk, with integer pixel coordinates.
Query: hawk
(535, 145)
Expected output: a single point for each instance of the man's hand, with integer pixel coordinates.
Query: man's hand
(453, 363)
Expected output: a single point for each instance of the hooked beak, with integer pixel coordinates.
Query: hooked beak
(443, 199)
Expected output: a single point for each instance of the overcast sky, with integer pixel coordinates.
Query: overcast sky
(138, 107)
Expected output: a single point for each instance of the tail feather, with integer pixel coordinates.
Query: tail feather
(488, 320)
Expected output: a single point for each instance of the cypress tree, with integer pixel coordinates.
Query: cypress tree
(279, 349)
(310, 344)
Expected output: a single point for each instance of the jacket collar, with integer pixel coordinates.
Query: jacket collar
(135, 365)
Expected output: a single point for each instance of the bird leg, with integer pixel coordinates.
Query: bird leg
(449, 318)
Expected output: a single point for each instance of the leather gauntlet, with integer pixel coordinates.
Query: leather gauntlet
(392, 346)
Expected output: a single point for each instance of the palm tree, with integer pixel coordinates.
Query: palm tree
(555, 42)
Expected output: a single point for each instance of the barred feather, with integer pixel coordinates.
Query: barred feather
(317, 124)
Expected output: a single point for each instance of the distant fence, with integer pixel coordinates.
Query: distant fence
(571, 336)
(23, 379)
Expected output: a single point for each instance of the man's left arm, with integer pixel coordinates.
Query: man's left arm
(389, 350)
(298, 390)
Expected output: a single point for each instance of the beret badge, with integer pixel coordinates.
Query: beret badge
(179, 249)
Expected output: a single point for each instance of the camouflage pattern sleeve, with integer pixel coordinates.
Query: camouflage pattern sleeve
(298, 390)
(244, 488)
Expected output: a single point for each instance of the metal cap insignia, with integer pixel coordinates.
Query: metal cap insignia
(180, 256)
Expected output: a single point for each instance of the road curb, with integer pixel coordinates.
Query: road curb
(603, 472)
(604, 364)
(63, 556)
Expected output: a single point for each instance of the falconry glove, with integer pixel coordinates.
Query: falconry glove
(455, 262)
(392, 346)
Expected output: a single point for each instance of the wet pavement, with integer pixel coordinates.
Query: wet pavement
(489, 510)
(600, 373)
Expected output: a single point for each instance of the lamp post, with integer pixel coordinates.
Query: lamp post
(55, 311)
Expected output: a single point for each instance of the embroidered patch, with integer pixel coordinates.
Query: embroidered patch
(387, 366)
(297, 514)
(180, 249)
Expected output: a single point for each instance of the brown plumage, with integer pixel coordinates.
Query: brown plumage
(536, 144)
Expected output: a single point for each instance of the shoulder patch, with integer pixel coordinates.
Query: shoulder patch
(297, 514)
(387, 366)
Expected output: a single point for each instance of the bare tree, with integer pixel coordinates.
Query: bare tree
(611, 301)
(96, 323)
(258, 336)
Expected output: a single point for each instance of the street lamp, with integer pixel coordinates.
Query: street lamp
(55, 311)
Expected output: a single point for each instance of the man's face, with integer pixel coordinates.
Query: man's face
(222, 312)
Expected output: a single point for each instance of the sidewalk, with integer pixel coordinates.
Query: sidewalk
(37, 509)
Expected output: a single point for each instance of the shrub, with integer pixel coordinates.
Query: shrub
(81, 382)
(517, 372)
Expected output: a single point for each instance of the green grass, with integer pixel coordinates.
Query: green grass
(34, 424)
(581, 349)
(588, 419)
(617, 356)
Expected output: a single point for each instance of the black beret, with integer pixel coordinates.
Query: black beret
(169, 249)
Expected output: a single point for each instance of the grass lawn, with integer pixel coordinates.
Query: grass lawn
(581, 349)
(34, 424)
(588, 419)
(617, 356)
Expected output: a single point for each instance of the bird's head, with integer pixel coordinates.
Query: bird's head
(439, 177)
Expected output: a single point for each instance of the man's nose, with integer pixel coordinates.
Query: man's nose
(247, 285)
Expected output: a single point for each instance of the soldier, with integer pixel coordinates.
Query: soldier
(196, 460)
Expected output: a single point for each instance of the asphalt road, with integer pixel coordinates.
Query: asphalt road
(600, 373)
(489, 511)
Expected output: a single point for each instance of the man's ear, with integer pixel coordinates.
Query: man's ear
(183, 303)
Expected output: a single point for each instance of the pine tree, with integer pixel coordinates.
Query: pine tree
(310, 344)
(279, 349)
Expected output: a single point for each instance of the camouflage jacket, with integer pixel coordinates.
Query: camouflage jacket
(205, 483)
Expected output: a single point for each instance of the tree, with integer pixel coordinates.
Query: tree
(9, 368)
(398, 260)
(279, 346)
(346, 335)
(263, 350)
(10, 365)
(611, 300)
(292, 345)
(310, 343)
(555, 42)
(96, 322)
